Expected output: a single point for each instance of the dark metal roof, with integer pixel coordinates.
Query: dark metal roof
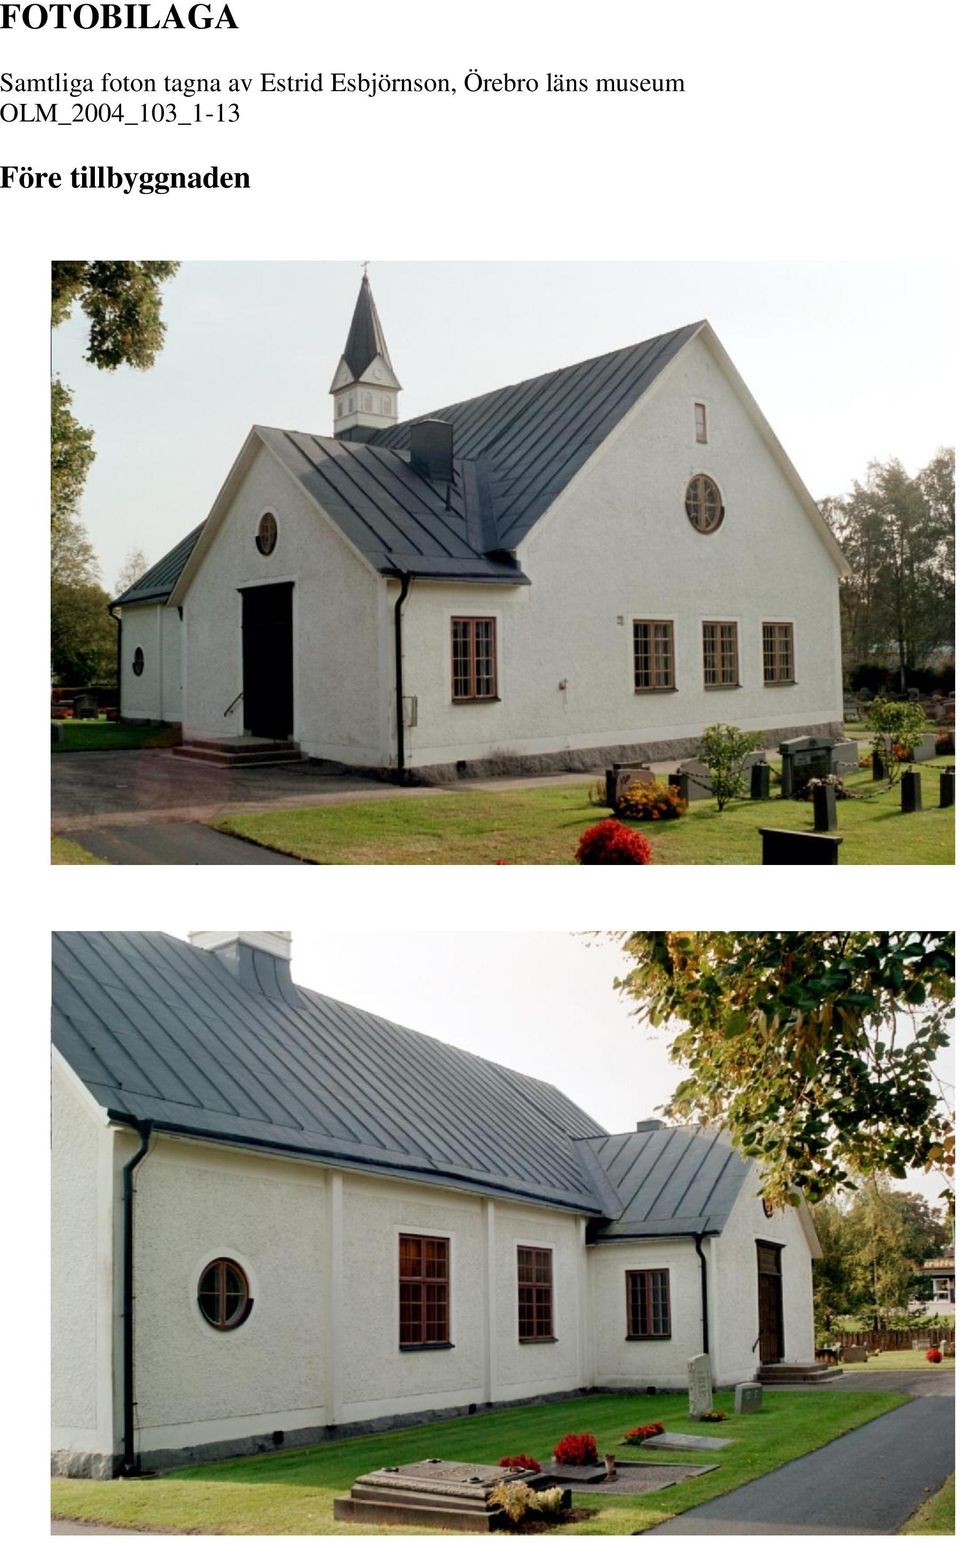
(158, 582)
(398, 519)
(532, 438)
(160, 1030)
(678, 1179)
(365, 339)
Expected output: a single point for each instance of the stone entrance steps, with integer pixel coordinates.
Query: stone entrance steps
(781, 1374)
(243, 752)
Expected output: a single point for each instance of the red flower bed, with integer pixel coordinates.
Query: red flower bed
(611, 842)
(522, 1461)
(933, 1355)
(640, 1433)
(576, 1448)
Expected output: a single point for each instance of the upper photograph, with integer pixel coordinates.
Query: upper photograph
(501, 563)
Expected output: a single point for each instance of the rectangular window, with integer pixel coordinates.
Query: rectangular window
(534, 1293)
(648, 1305)
(652, 656)
(474, 650)
(424, 1291)
(777, 653)
(700, 419)
(721, 665)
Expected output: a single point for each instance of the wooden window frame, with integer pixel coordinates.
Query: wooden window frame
(535, 1298)
(656, 684)
(471, 623)
(700, 422)
(720, 684)
(222, 1323)
(422, 1281)
(645, 1278)
(694, 502)
(780, 631)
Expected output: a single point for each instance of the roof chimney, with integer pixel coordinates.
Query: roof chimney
(650, 1125)
(260, 961)
(431, 449)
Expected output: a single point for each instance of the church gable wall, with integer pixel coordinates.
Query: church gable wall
(340, 709)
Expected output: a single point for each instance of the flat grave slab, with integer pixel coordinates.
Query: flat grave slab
(433, 1493)
(682, 1441)
(633, 1478)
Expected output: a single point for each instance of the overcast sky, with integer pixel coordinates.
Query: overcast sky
(542, 1003)
(849, 361)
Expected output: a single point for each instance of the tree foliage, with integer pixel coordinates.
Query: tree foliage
(897, 534)
(134, 567)
(813, 1049)
(71, 455)
(874, 1245)
(895, 726)
(83, 639)
(122, 302)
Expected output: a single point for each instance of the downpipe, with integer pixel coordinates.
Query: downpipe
(698, 1239)
(130, 1466)
(405, 582)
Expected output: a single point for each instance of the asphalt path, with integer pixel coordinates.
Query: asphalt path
(869, 1481)
(172, 842)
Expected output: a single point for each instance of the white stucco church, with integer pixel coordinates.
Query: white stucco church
(277, 1217)
(587, 565)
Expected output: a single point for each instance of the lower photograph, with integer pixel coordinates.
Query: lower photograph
(606, 1233)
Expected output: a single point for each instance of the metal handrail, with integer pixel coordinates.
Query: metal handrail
(756, 1343)
(233, 704)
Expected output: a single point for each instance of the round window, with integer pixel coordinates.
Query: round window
(224, 1295)
(704, 506)
(267, 534)
(138, 661)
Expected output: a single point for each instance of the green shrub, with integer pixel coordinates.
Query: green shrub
(723, 749)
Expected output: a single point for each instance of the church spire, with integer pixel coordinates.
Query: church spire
(365, 388)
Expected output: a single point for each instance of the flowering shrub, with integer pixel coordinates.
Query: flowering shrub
(550, 1501)
(945, 744)
(641, 1433)
(830, 781)
(576, 1448)
(611, 842)
(651, 801)
(934, 1355)
(902, 753)
(522, 1461)
(516, 1498)
(712, 1415)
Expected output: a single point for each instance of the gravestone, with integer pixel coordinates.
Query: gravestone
(85, 705)
(876, 767)
(681, 1442)
(798, 846)
(700, 1384)
(804, 757)
(56, 735)
(911, 795)
(844, 757)
(927, 748)
(692, 778)
(943, 1347)
(760, 780)
(747, 1398)
(948, 783)
(433, 1494)
(825, 808)
(854, 1353)
(618, 778)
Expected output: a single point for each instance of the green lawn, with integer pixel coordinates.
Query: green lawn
(62, 850)
(101, 734)
(901, 1361)
(543, 825)
(293, 1492)
(938, 1515)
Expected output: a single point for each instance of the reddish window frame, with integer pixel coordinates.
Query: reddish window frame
(424, 1305)
(471, 688)
(534, 1293)
(643, 1303)
(696, 501)
(649, 672)
(779, 663)
(714, 633)
(700, 422)
(223, 1320)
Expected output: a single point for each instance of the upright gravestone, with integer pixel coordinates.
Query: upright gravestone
(747, 1398)
(700, 1384)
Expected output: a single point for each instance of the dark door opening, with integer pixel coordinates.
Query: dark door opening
(770, 1298)
(268, 661)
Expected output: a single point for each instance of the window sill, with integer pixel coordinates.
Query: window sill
(470, 702)
(652, 691)
(722, 686)
(537, 1340)
(648, 1337)
(779, 683)
(433, 1345)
